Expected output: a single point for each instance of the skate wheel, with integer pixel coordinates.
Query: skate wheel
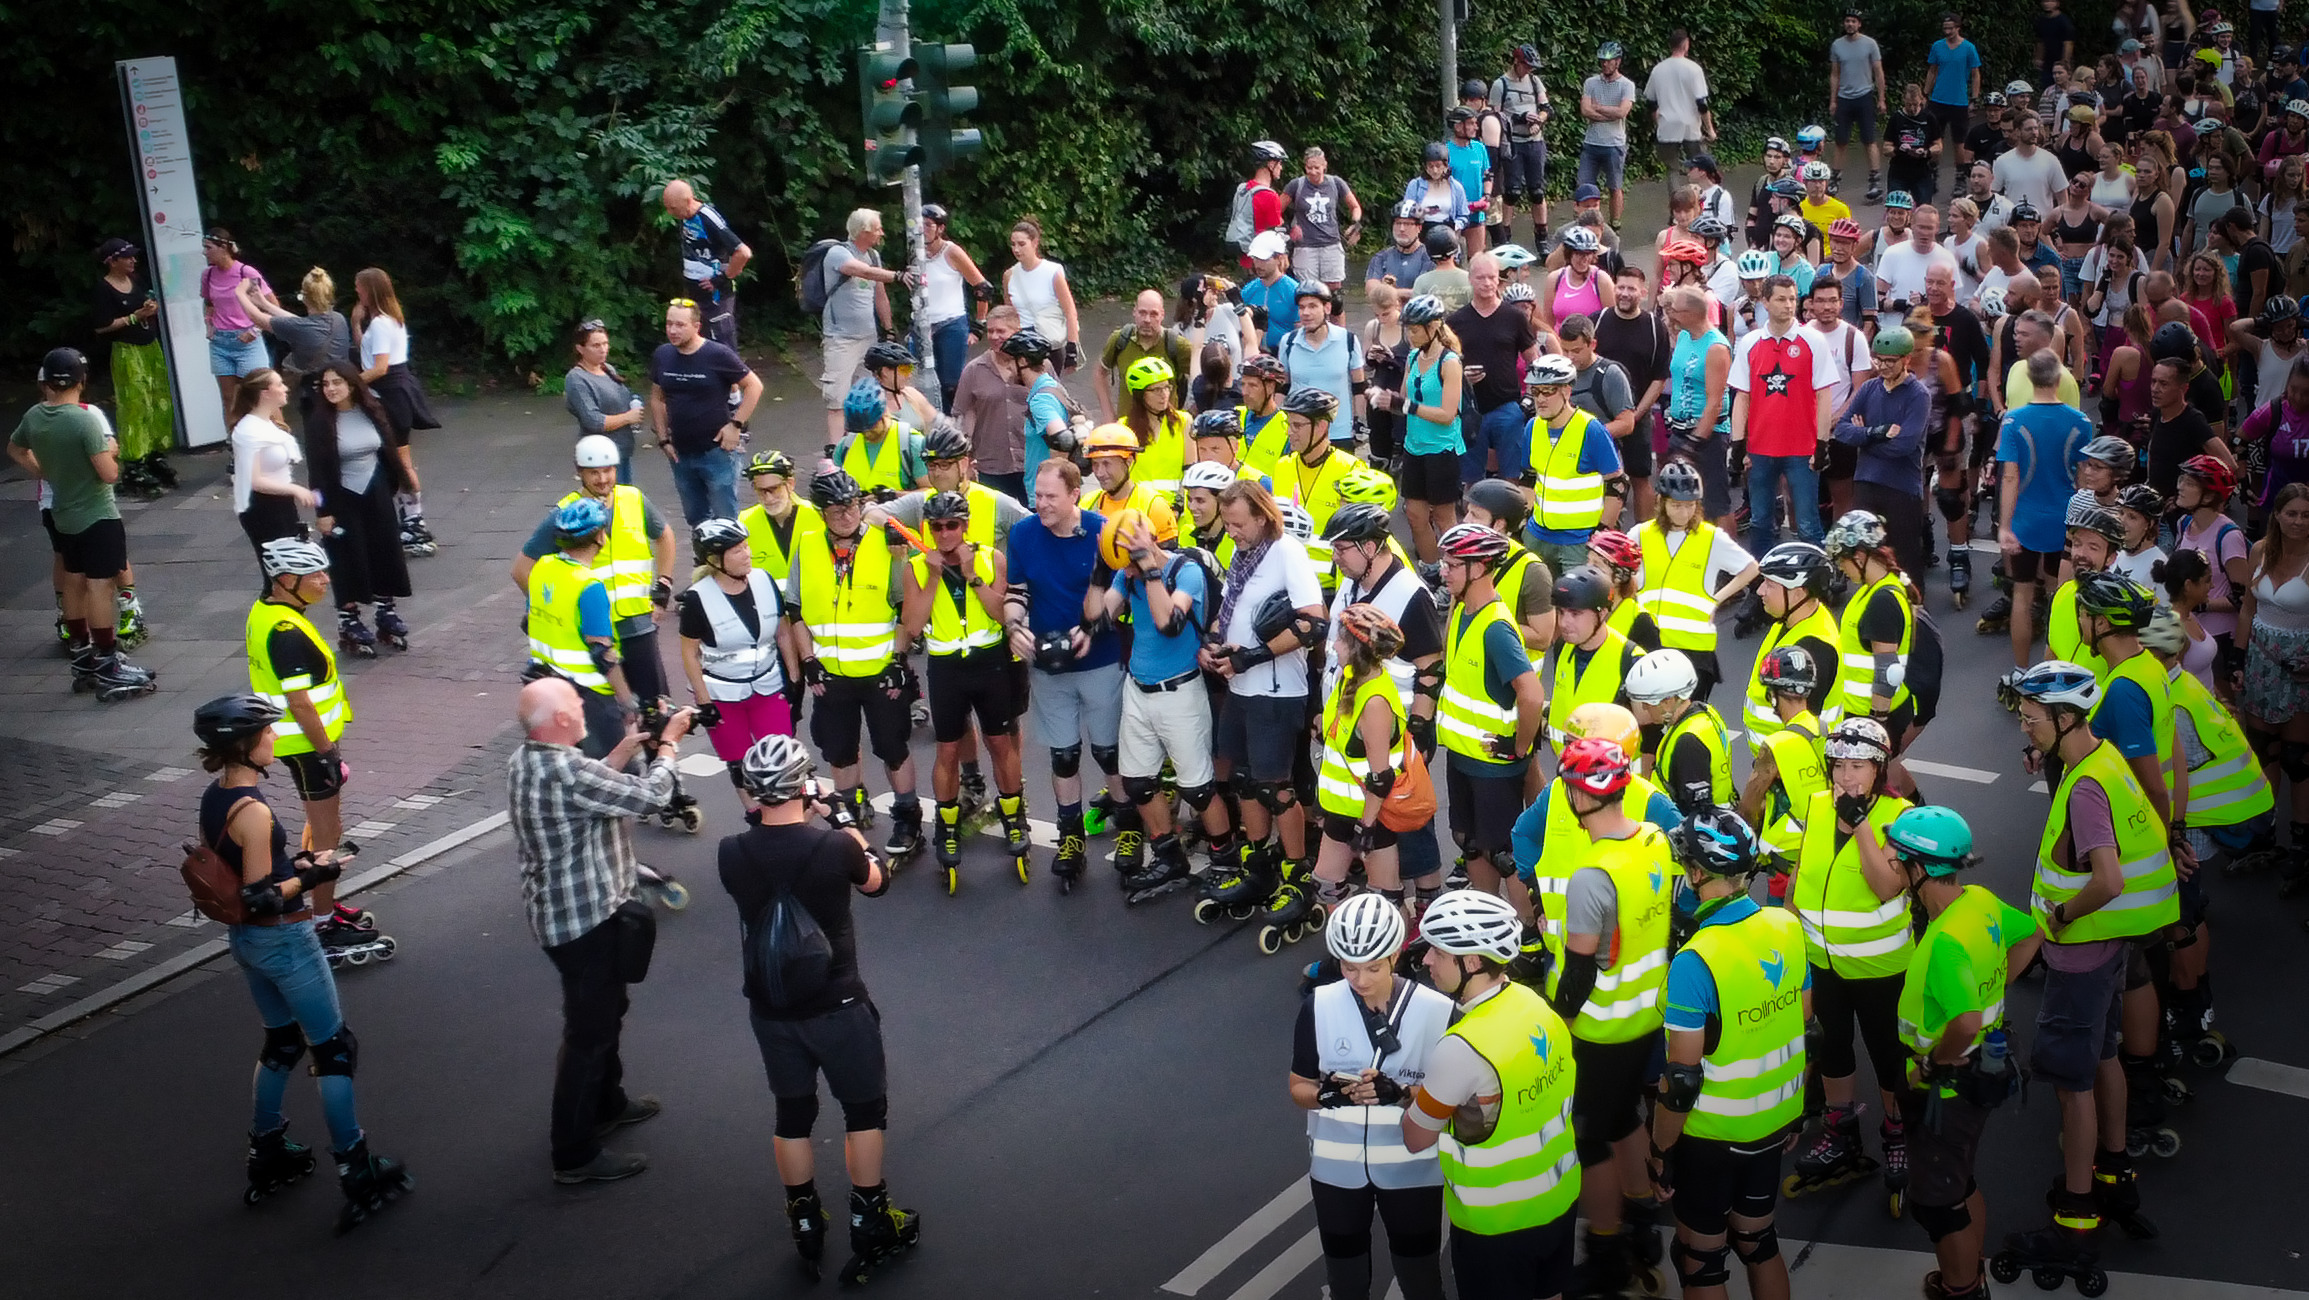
(2211, 1051)
(2136, 1145)
(2092, 1282)
(692, 820)
(2004, 1268)
(1020, 866)
(674, 893)
(1315, 920)
(1895, 1202)
(1270, 940)
(358, 957)
(2178, 1091)
(2047, 1279)
(252, 1195)
(1206, 910)
(1791, 1186)
(953, 880)
(2165, 1144)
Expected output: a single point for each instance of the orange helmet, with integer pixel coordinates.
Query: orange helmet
(1113, 539)
(1110, 440)
(1603, 720)
(1371, 626)
(1681, 249)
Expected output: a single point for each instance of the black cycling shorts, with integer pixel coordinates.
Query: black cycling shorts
(1513, 1265)
(1482, 809)
(1431, 477)
(846, 1045)
(1606, 1092)
(836, 718)
(980, 683)
(1717, 1179)
(1873, 1005)
(97, 551)
(316, 778)
(1342, 829)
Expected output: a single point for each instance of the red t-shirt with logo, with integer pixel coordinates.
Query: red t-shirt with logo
(1782, 376)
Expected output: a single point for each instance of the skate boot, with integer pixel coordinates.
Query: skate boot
(1224, 889)
(274, 1163)
(2117, 1194)
(2209, 1048)
(879, 1232)
(947, 846)
(390, 628)
(1129, 847)
(137, 481)
(1640, 1225)
(1959, 575)
(416, 539)
(1610, 1271)
(1996, 620)
(974, 800)
(157, 465)
(369, 1183)
(128, 618)
(2063, 1249)
(905, 831)
(1108, 811)
(111, 676)
(348, 945)
(806, 1215)
(357, 918)
(1012, 808)
(1834, 1158)
(661, 888)
(681, 811)
(2145, 1131)
(860, 806)
(1073, 853)
(1894, 1135)
(1935, 1289)
(353, 636)
(1875, 192)
(2260, 855)
(1292, 913)
(1167, 872)
(63, 629)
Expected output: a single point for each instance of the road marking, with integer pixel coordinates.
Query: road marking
(700, 765)
(168, 774)
(117, 799)
(48, 984)
(2040, 788)
(124, 950)
(2269, 1076)
(1951, 771)
(1250, 1232)
(56, 826)
(1278, 1274)
(1837, 1272)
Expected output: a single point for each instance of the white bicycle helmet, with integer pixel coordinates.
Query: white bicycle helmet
(1364, 928)
(1467, 923)
(293, 555)
(1209, 475)
(1296, 521)
(2164, 633)
(776, 769)
(595, 451)
(1662, 675)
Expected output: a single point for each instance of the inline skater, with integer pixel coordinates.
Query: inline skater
(1572, 457)
(1880, 638)
(1500, 1081)
(1364, 717)
(1618, 555)
(1856, 937)
(1150, 412)
(952, 468)
(1687, 569)
(1732, 1092)
(777, 517)
(1259, 421)
(850, 648)
(570, 629)
(1952, 1024)
(275, 947)
(1113, 451)
(1549, 817)
(292, 668)
(1592, 663)
(1205, 480)
(890, 364)
(1218, 441)
(804, 1026)
(1692, 760)
(1361, 1044)
(1792, 765)
(1793, 594)
(1525, 584)
(955, 593)
(881, 455)
(1491, 709)
(736, 647)
(1313, 474)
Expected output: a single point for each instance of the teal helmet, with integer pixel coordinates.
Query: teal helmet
(1934, 838)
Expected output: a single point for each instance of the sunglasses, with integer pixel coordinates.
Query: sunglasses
(690, 303)
(595, 323)
(946, 525)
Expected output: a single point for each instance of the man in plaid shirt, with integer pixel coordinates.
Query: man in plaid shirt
(572, 825)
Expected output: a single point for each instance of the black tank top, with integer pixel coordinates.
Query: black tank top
(2083, 232)
(216, 805)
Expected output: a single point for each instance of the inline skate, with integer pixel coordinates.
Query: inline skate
(1236, 883)
(350, 945)
(1834, 1157)
(1894, 1134)
(1167, 872)
(111, 677)
(128, 626)
(353, 636)
(975, 803)
(905, 831)
(1614, 1269)
(946, 845)
(2146, 1133)
(1015, 839)
(1959, 575)
(157, 465)
(1073, 853)
(369, 1182)
(1293, 912)
(390, 628)
(2062, 1250)
(660, 888)
(1129, 846)
(416, 538)
(681, 811)
(806, 1215)
(2117, 1194)
(1640, 1225)
(274, 1163)
(879, 1232)
(2189, 1024)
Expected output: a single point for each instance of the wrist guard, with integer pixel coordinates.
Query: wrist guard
(709, 714)
(1330, 1096)
(1503, 748)
(1365, 839)
(1390, 1092)
(813, 672)
(1852, 809)
(661, 593)
(1246, 659)
(264, 899)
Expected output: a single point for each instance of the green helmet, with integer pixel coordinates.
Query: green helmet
(1934, 838)
(1893, 341)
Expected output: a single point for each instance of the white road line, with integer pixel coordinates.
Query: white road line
(1951, 771)
(2040, 788)
(1286, 1266)
(1858, 1273)
(2269, 1076)
(1250, 1232)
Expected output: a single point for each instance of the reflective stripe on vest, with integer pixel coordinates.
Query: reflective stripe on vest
(1675, 590)
(1847, 928)
(1466, 717)
(555, 584)
(1598, 683)
(852, 623)
(1973, 923)
(762, 538)
(2150, 900)
(1362, 1146)
(1625, 1003)
(327, 695)
(1819, 625)
(624, 564)
(741, 663)
(1753, 1083)
(1703, 723)
(2229, 789)
(1857, 667)
(1567, 499)
(1802, 767)
(1318, 494)
(1526, 1173)
(958, 623)
(1339, 782)
(1566, 847)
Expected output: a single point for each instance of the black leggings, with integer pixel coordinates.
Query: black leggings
(1413, 1215)
(1875, 1003)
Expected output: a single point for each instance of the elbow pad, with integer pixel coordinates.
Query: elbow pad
(983, 291)
(1427, 682)
(1701, 103)
(1379, 781)
(1680, 1087)
(1574, 982)
(882, 869)
(1891, 669)
(1311, 629)
(264, 899)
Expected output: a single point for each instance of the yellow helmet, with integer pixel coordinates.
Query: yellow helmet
(1609, 722)
(1113, 540)
(1369, 486)
(1110, 440)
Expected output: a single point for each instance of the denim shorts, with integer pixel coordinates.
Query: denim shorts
(228, 356)
(1603, 165)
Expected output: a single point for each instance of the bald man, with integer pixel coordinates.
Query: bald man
(1145, 336)
(712, 256)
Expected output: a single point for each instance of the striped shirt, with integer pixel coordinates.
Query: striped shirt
(572, 826)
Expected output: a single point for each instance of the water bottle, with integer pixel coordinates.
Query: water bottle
(1994, 1051)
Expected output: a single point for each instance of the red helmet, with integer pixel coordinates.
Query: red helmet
(1683, 249)
(1473, 542)
(2218, 480)
(1595, 764)
(1618, 549)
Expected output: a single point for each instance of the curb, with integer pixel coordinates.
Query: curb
(114, 994)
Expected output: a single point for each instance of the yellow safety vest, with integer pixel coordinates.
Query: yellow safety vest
(878, 464)
(1466, 717)
(1265, 445)
(326, 694)
(1752, 1085)
(1623, 616)
(1568, 500)
(2063, 639)
(1847, 928)
(762, 543)
(1339, 782)
(1163, 461)
(1703, 721)
(1974, 924)
(625, 564)
(2228, 788)
(2143, 671)
(1567, 847)
(1802, 763)
(1317, 492)
(1598, 683)
(1508, 582)
(555, 583)
(1153, 504)
(959, 624)
(1625, 1004)
(852, 622)
(1675, 591)
(2151, 897)
(1526, 1173)
(1856, 670)
(1819, 625)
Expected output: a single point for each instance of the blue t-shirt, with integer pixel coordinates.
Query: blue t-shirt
(1056, 573)
(593, 612)
(2046, 440)
(1470, 163)
(1155, 657)
(1530, 835)
(1692, 986)
(1597, 455)
(1043, 405)
(2126, 720)
(1280, 300)
(1952, 71)
(1504, 660)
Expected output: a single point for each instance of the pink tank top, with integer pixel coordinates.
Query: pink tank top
(1586, 300)
(2133, 394)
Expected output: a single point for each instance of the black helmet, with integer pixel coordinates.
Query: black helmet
(2278, 308)
(1585, 587)
(1358, 521)
(1317, 404)
(770, 462)
(2125, 603)
(713, 538)
(1473, 89)
(1436, 151)
(886, 355)
(946, 505)
(1218, 424)
(1274, 616)
(1796, 565)
(1717, 841)
(832, 487)
(945, 441)
(1501, 500)
(2173, 341)
(1458, 115)
(1679, 480)
(1789, 670)
(1424, 309)
(232, 717)
(1054, 650)
(1027, 344)
(1440, 242)
(2141, 499)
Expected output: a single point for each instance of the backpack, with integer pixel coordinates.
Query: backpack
(1200, 614)
(810, 277)
(789, 961)
(214, 885)
(1240, 218)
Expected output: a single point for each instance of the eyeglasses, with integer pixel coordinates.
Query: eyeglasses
(946, 525)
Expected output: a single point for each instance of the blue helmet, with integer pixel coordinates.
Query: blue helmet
(863, 408)
(577, 522)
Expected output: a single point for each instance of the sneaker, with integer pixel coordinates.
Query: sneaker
(607, 1167)
(636, 1110)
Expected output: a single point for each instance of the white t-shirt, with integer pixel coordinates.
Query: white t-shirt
(1971, 258)
(1676, 87)
(1849, 354)
(2139, 565)
(1286, 568)
(386, 335)
(1725, 554)
(259, 447)
(2039, 180)
(1900, 272)
(1992, 278)
(1995, 212)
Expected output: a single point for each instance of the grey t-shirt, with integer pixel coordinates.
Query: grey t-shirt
(357, 444)
(1855, 58)
(1608, 94)
(849, 310)
(1405, 267)
(1592, 906)
(1515, 99)
(1602, 390)
(313, 341)
(1314, 209)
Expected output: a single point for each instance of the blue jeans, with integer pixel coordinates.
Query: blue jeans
(1501, 431)
(289, 980)
(708, 484)
(1603, 166)
(1764, 476)
(949, 348)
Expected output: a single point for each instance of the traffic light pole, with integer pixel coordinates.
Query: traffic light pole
(891, 34)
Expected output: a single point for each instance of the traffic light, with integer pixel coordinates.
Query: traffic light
(888, 104)
(944, 144)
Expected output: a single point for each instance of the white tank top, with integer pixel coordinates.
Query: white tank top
(2285, 607)
(942, 298)
(1035, 294)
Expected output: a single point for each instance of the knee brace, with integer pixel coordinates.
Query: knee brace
(2293, 756)
(866, 1116)
(1141, 790)
(1066, 761)
(737, 774)
(796, 1117)
(1197, 797)
(1939, 1221)
(1758, 1247)
(284, 1046)
(1698, 1268)
(1108, 757)
(1951, 502)
(339, 1055)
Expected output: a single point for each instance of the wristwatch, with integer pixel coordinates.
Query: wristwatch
(740, 423)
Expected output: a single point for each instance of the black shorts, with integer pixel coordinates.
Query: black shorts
(644, 670)
(1257, 734)
(1871, 1004)
(1941, 1154)
(316, 778)
(97, 551)
(1523, 171)
(835, 719)
(1431, 477)
(1342, 829)
(1717, 1179)
(1856, 110)
(981, 683)
(2033, 566)
(1605, 1093)
(1483, 809)
(845, 1045)
(1636, 450)
(1711, 458)
(1513, 1265)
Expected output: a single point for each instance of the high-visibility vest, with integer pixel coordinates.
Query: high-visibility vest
(1567, 848)
(1316, 490)
(1974, 923)
(1567, 500)
(1847, 928)
(1701, 721)
(1675, 591)
(959, 623)
(1856, 668)
(1752, 1085)
(1153, 504)
(1362, 1146)
(1266, 438)
(1466, 717)
(769, 554)
(555, 583)
(1598, 683)
(1221, 547)
(326, 693)
(741, 663)
(1819, 625)
(2151, 897)
(2228, 788)
(1339, 781)
(1626, 1002)
(2064, 639)
(979, 531)
(1163, 461)
(1623, 616)
(2143, 671)
(625, 564)
(1508, 582)
(1526, 1173)
(852, 623)
(1802, 763)
(879, 463)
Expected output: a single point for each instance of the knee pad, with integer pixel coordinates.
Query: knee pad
(1244, 788)
(1503, 862)
(797, 1116)
(1066, 761)
(2293, 756)
(1141, 790)
(1108, 757)
(1197, 797)
(1593, 1147)
(1277, 797)
(1756, 1247)
(1698, 1268)
(1951, 502)
(1939, 1221)
(339, 1055)
(866, 1116)
(737, 774)
(284, 1047)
